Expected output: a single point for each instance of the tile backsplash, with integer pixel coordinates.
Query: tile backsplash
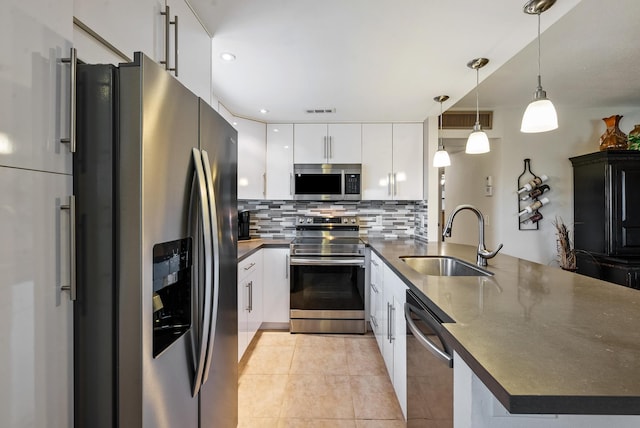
(403, 219)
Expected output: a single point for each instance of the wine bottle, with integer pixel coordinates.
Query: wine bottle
(534, 206)
(536, 217)
(536, 192)
(533, 184)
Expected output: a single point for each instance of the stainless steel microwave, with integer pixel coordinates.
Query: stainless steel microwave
(326, 182)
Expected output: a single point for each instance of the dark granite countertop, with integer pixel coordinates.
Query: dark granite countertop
(541, 339)
(250, 246)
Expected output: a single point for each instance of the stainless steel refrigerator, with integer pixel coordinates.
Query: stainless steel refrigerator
(155, 318)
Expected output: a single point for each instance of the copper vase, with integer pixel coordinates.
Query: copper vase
(613, 138)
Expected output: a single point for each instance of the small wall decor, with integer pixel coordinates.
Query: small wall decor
(530, 190)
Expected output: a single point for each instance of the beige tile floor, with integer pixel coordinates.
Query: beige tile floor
(317, 381)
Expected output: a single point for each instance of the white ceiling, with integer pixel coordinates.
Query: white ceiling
(385, 60)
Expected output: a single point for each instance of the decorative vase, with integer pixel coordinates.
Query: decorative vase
(634, 138)
(613, 138)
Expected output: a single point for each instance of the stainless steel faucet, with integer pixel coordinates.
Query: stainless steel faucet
(483, 253)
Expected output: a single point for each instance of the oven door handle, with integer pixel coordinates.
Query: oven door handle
(421, 338)
(297, 261)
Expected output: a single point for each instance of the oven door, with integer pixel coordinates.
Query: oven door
(327, 294)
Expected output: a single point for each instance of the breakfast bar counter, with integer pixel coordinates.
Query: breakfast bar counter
(542, 340)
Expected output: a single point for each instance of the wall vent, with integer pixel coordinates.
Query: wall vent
(466, 119)
(320, 110)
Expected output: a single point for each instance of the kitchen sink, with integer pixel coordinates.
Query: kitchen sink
(443, 266)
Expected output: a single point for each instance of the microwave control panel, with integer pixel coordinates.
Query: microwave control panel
(352, 184)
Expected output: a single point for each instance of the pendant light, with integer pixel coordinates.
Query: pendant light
(478, 141)
(540, 115)
(441, 158)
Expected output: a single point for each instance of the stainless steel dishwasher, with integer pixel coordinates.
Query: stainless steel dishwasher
(429, 362)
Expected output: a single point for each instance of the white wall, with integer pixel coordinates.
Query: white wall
(578, 134)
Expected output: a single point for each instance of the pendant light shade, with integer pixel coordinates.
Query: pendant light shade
(540, 115)
(478, 141)
(441, 157)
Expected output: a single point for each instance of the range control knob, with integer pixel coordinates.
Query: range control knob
(309, 220)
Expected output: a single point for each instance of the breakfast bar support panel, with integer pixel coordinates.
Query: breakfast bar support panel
(474, 406)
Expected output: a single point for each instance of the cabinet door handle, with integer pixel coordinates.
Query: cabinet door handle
(167, 23)
(250, 296)
(389, 184)
(330, 147)
(73, 67)
(392, 326)
(373, 287)
(264, 184)
(324, 153)
(291, 183)
(395, 185)
(250, 266)
(389, 322)
(286, 266)
(373, 321)
(247, 306)
(72, 287)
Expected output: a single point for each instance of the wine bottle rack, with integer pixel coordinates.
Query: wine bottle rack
(534, 195)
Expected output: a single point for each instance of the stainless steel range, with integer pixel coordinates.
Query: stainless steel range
(327, 261)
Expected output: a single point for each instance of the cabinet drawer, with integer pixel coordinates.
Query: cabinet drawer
(249, 265)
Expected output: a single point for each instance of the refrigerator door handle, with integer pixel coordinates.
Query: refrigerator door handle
(204, 317)
(215, 284)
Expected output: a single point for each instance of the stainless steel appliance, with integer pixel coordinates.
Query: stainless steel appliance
(244, 220)
(429, 358)
(327, 264)
(155, 341)
(327, 182)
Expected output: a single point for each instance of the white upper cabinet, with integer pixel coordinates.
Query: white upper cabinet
(332, 143)
(145, 26)
(408, 161)
(279, 161)
(392, 161)
(377, 143)
(251, 158)
(35, 84)
(130, 26)
(192, 66)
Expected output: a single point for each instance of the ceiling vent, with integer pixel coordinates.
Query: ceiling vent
(320, 110)
(466, 119)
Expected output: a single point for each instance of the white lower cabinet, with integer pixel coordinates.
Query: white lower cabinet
(389, 315)
(36, 338)
(275, 287)
(376, 298)
(249, 300)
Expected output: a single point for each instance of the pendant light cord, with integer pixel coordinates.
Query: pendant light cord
(539, 47)
(477, 97)
(440, 127)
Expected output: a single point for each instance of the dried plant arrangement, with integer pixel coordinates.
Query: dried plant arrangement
(566, 254)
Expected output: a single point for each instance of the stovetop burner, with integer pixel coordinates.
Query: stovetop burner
(327, 236)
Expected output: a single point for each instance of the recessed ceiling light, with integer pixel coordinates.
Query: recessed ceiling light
(227, 56)
(264, 111)
(276, 130)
